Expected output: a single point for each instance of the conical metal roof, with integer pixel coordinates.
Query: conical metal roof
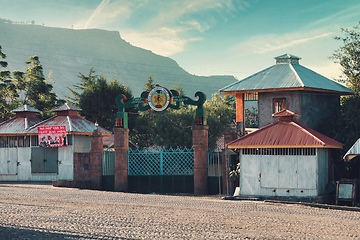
(25, 108)
(286, 75)
(66, 107)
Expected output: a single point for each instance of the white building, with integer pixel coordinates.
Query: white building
(284, 159)
(21, 157)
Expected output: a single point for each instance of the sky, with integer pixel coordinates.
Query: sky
(208, 37)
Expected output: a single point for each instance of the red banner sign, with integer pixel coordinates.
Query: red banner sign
(52, 136)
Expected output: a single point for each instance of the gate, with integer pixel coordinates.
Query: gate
(161, 170)
(215, 158)
(108, 169)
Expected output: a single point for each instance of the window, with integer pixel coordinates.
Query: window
(251, 110)
(279, 104)
(280, 151)
(34, 141)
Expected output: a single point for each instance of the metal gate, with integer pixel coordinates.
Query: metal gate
(215, 159)
(108, 169)
(161, 170)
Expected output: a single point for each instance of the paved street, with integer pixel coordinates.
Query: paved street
(34, 211)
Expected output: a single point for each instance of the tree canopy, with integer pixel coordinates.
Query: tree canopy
(38, 93)
(96, 97)
(345, 126)
(348, 56)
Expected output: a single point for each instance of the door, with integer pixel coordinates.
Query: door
(8, 161)
(44, 160)
(249, 175)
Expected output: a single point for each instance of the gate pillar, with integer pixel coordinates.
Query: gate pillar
(96, 160)
(200, 144)
(121, 145)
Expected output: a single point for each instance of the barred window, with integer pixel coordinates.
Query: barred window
(4, 142)
(34, 141)
(14, 141)
(280, 151)
(279, 104)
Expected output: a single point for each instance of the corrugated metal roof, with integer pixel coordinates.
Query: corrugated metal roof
(25, 108)
(286, 76)
(354, 151)
(65, 107)
(287, 55)
(285, 113)
(74, 124)
(28, 124)
(284, 134)
(17, 125)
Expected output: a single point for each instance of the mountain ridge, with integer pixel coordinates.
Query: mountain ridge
(65, 52)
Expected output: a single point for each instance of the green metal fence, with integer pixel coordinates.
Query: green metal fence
(161, 170)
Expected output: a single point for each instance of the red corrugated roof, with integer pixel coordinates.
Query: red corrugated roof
(284, 134)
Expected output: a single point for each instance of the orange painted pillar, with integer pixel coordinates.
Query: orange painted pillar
(121, 145)
(200, 145)
(240, 119)
(95, 165)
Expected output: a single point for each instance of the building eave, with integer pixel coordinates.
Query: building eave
(234, 93)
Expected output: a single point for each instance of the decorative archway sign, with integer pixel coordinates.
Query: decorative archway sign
(158, 99)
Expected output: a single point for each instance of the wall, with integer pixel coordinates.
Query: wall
(266, 105)
(275, 175)
(313, 107)
(317, 107)
(81, 143)
(81, 166)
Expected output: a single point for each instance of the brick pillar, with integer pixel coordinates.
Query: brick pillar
(200, 144)
(96, 159)
(229, 136)
(121, 145)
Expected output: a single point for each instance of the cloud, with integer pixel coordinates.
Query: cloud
(271, 42)
(164, 41)
(162, 26)
(97, 11)
(108, 12)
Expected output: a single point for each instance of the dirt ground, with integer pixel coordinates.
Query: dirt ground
(36, 211)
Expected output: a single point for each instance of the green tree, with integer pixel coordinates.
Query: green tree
(8, 93)
(97, 101)
(150, 84)
(173, 127)
(88, 80)
(38, 93)
(220, 113)
(348, 56)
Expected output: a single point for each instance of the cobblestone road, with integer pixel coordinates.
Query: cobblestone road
(30, 211)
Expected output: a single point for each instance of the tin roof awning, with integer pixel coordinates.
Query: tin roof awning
(353, 152)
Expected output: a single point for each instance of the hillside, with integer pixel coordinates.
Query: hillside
(66, 52)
